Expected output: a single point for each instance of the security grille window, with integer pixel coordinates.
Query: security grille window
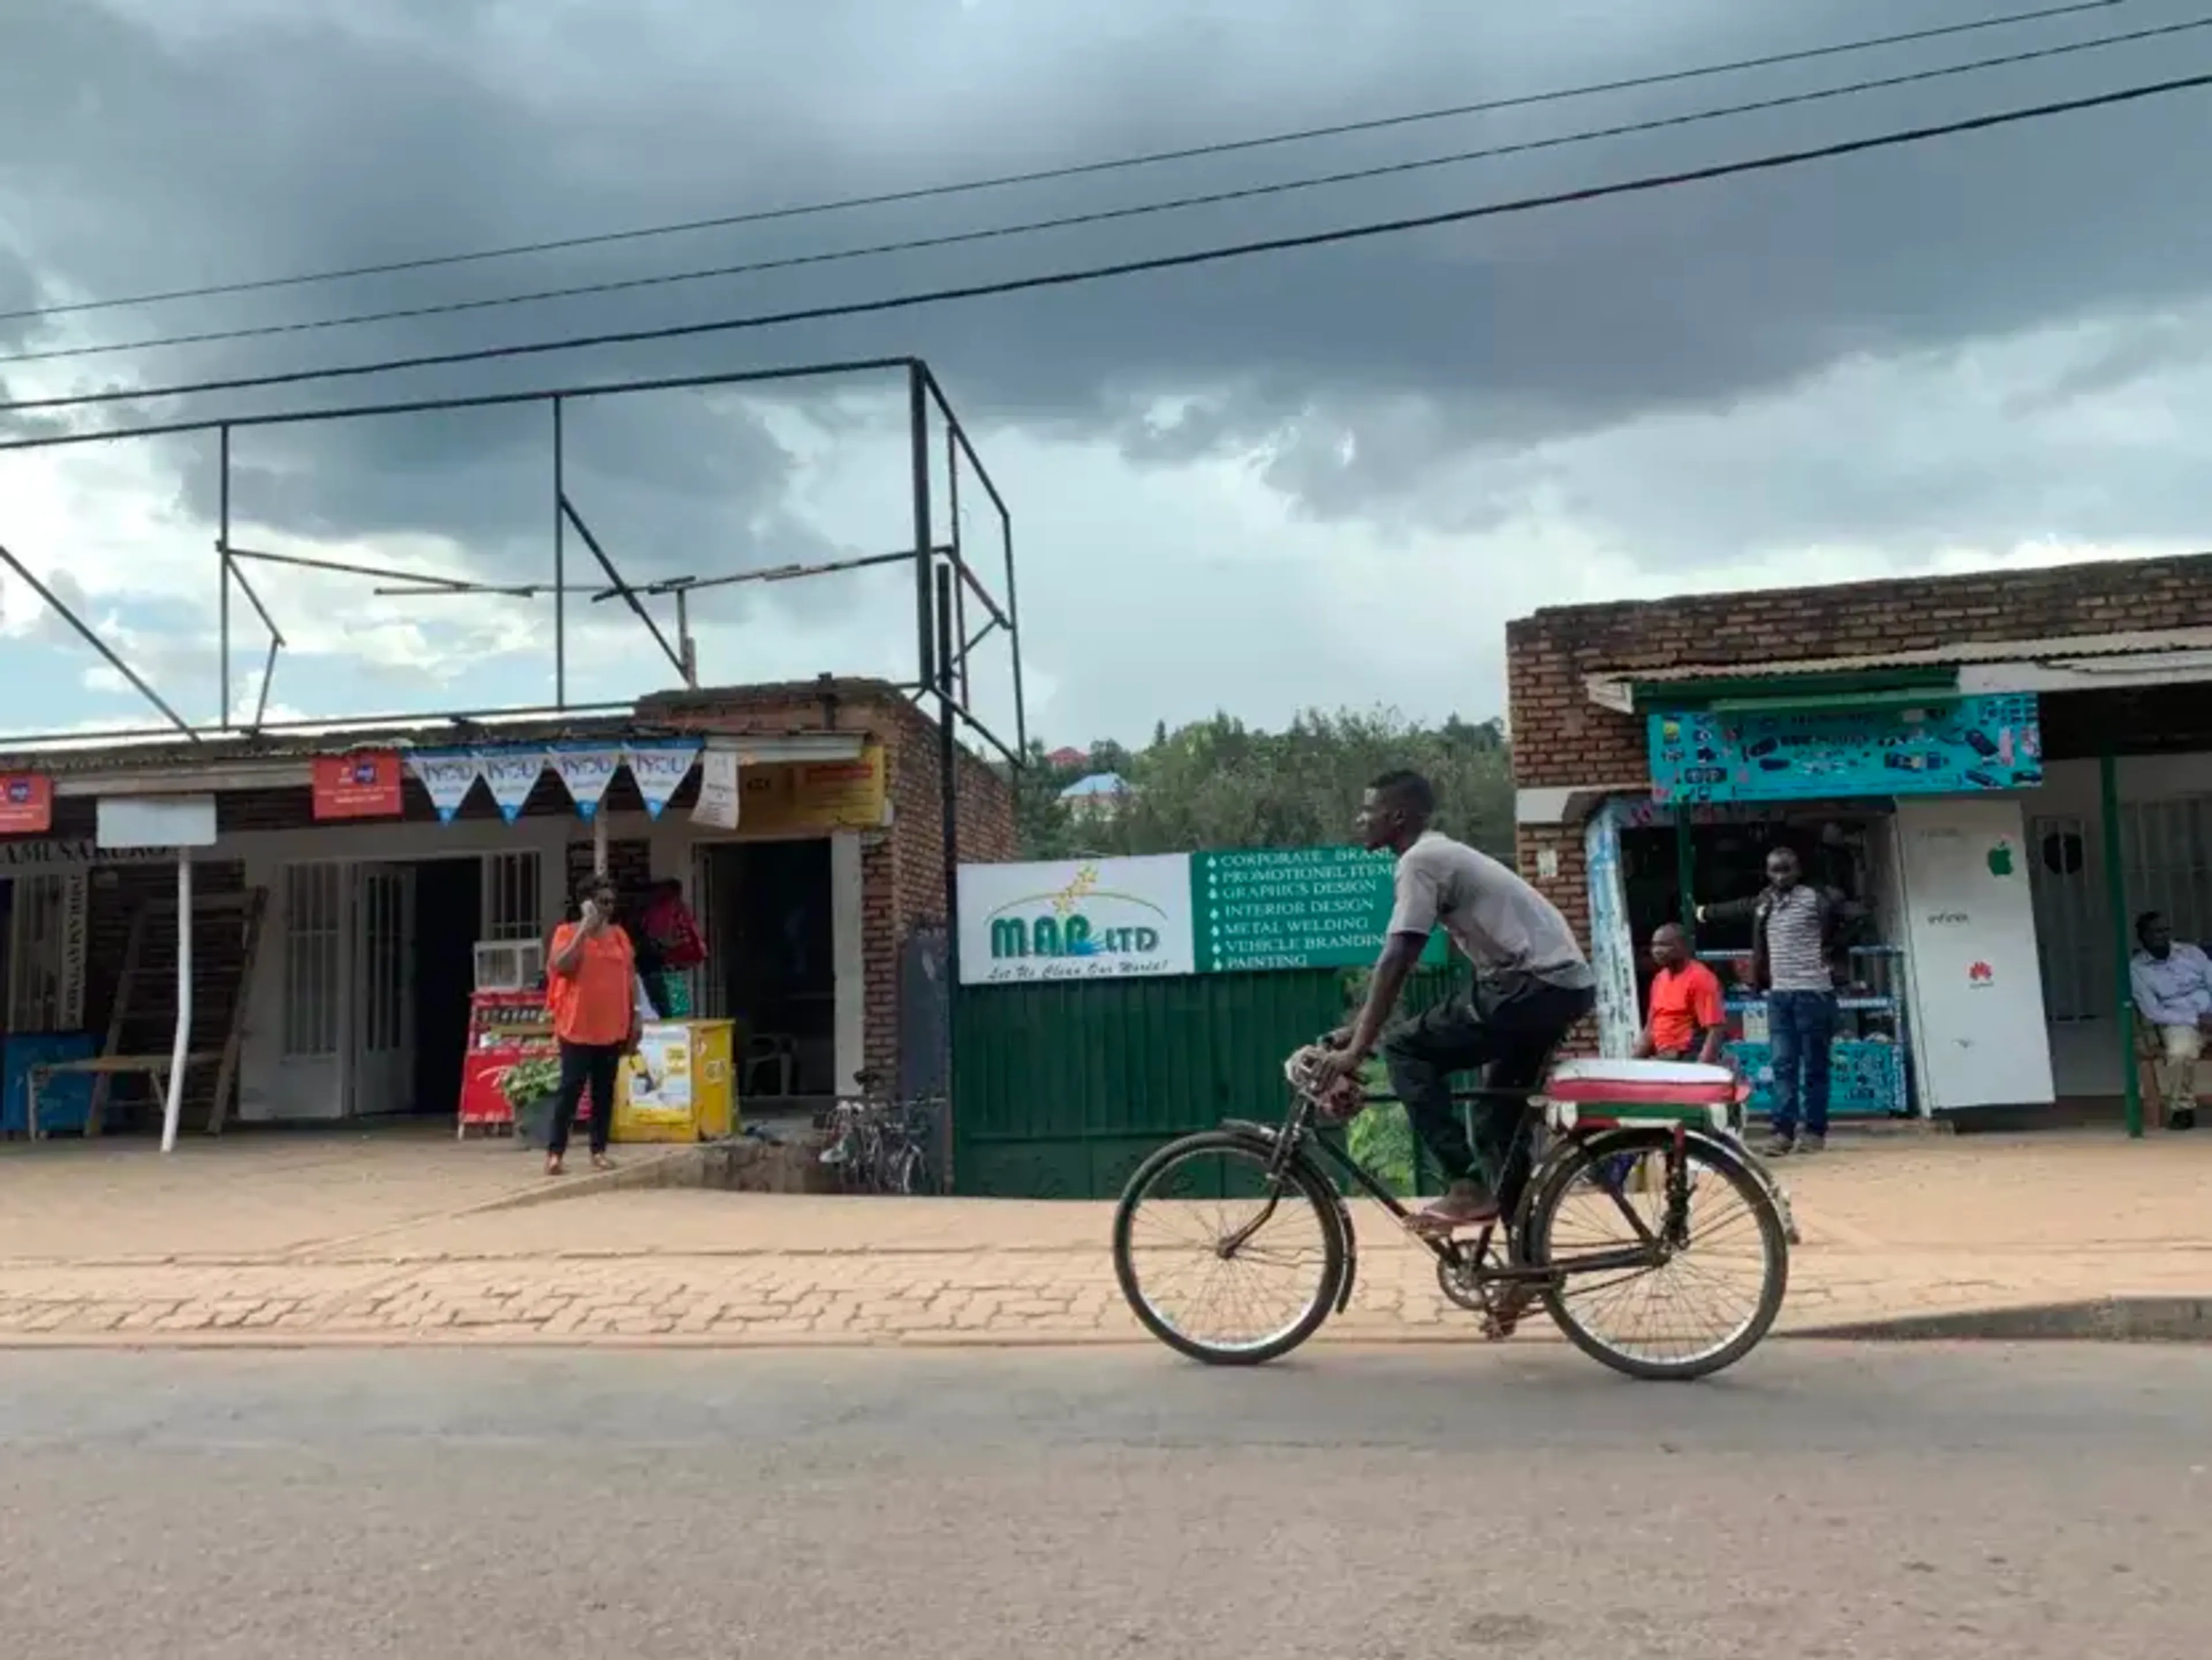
(314, 941)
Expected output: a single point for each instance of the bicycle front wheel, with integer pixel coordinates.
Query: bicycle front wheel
(1204, 1235)
(1702, 1302)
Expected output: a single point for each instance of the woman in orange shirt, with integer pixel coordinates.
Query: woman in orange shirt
(590, 991)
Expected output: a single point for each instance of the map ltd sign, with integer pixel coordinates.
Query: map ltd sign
(1093, 919)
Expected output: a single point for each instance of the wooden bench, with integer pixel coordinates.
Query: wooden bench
(153, 1067)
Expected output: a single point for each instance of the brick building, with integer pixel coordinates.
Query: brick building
(360, 931)
(1632, 726)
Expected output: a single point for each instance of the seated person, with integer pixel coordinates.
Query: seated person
(2173, 993)
(1687, 1020)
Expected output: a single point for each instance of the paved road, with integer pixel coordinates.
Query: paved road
(1817, 1503)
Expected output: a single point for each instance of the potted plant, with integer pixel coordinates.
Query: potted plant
(530, 1086)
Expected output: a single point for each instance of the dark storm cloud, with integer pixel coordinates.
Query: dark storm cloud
(254, 139)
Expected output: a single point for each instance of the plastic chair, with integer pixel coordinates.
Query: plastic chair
(770, 1054)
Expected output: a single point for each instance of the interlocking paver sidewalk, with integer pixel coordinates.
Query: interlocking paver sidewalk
(1891, 1229)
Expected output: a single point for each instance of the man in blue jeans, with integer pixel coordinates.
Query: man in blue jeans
(1799, 939)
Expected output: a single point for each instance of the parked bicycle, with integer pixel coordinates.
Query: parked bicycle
(882, 1146)
(1634, 1144)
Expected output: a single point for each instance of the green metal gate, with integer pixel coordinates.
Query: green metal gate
(1062, 1087)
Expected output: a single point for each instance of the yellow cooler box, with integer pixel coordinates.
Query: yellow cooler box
(679, 1085)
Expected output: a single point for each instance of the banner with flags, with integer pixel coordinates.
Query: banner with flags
(447, 777)
(586, 770)
(511, 775)
(658, 768)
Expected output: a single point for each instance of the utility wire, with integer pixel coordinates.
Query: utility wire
(1212, 198)
(1076, 170)
(1770, 163)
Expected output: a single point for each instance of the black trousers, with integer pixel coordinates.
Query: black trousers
(581, 1064)
(1506, 1026)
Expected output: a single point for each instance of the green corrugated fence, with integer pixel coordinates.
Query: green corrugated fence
(1062, 1087)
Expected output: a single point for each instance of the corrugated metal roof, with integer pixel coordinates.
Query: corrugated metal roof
(219, 751)
(1615, 689)
(2000, 651)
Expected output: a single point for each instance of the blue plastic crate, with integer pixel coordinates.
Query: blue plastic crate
(64, 1101)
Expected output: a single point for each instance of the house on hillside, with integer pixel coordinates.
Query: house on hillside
(1095, 796)
(1067, 758)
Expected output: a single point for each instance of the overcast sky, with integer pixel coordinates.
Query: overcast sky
(1322, 478)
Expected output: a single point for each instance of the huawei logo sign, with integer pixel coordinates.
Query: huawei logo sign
(1980, 974)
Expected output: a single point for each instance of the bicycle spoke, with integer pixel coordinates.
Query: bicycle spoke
(1687, 1305)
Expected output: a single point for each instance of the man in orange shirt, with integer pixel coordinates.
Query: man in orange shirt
(1688, 1021)
(591, 989)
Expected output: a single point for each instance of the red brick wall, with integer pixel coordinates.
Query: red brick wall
(902, 876)
(902, 869)
(1561, 739)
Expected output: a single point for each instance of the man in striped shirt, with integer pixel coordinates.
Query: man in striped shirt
(1795, 933)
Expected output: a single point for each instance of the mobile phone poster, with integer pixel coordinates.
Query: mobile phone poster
(1955, 746)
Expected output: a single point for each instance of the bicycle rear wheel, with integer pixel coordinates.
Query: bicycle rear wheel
(1266, 1254)
(1705, 1302)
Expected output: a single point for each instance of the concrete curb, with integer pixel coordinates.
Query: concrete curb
(2095, 1320)
(683, 1166)
(2103, 1320)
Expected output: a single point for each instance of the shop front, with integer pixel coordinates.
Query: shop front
(358, 909)
(1906, 810)
(2004, 771)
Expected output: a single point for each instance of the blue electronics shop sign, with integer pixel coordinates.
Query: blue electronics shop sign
(1951, 746)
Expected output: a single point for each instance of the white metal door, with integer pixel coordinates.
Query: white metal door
(384, 999)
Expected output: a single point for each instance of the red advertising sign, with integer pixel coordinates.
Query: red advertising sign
(362, 785)
(513, 1061)
(26, 803)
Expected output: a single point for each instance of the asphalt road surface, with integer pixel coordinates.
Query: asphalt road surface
(1365, 1506)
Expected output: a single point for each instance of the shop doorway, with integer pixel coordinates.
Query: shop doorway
(771, 968)
(448, 902)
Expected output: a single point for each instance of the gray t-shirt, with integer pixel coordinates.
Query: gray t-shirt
(1501, 924)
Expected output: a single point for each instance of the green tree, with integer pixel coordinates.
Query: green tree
(1220, 783)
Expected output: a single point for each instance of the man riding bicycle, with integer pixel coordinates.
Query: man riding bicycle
(1531, 984)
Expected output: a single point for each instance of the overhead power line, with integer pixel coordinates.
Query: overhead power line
(1770, 163)
(1074, 170)
(1102, 215)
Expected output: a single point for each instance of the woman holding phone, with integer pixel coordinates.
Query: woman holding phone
(590, 990)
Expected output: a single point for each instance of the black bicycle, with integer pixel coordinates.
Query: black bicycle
(1640, 1169)
(879, 1145)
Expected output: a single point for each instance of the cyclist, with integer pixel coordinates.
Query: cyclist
(1531, 984)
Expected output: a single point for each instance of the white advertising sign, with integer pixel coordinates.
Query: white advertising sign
(1095, 919)
(155, 821)
(1970, 935)
(717, 807)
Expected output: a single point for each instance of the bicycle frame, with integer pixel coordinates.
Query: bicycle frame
(1291, 1141)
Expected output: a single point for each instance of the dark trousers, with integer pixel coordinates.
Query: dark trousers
(1506, 1026)
(581, 1064)
(1800, 1026)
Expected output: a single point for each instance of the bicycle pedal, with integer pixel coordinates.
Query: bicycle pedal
(1495, 1330)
